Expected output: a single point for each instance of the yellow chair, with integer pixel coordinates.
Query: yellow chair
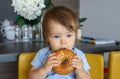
(114, 65)
(95, 60)
(96, 63)
(24, 64)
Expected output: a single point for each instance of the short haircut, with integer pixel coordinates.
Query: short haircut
(61, 15)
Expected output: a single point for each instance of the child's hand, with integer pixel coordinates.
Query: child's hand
(51, 61)
(77, 63)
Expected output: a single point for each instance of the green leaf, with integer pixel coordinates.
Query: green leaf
(19, 20)
(82, 20)
(48, 2)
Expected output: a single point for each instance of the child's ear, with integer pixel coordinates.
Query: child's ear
(47, 39)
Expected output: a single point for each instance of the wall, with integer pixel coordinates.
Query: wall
(103, 18)
(6, 11)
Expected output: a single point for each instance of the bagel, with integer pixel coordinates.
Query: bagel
(64, 58)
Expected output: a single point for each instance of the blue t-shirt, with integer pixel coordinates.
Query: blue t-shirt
(42, 55)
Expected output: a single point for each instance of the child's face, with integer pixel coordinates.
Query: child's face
(60, 37)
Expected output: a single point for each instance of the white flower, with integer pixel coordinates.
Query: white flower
(29, 9)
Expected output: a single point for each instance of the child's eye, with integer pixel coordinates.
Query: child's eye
(69, 35)
(56, 36)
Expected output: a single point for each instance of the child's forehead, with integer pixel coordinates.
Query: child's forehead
(58, 25)
(53, 22)
(58, 28)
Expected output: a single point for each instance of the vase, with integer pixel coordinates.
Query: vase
(37, 32)
(79, 34)
(25, 33)
(41, 33)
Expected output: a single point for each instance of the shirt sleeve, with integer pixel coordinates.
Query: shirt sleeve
(40, 58)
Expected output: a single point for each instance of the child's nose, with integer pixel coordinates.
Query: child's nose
(63, 41)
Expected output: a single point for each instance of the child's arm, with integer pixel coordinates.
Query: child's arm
(77, 63)
(83, 75)
(41, 73)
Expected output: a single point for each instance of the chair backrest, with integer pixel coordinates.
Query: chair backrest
(24, 64)
(114, 65)
(96, 63)
(95, 60)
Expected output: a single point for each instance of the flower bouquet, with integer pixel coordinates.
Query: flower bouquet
(30, 12)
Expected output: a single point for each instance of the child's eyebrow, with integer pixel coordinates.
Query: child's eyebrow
(55, 33)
